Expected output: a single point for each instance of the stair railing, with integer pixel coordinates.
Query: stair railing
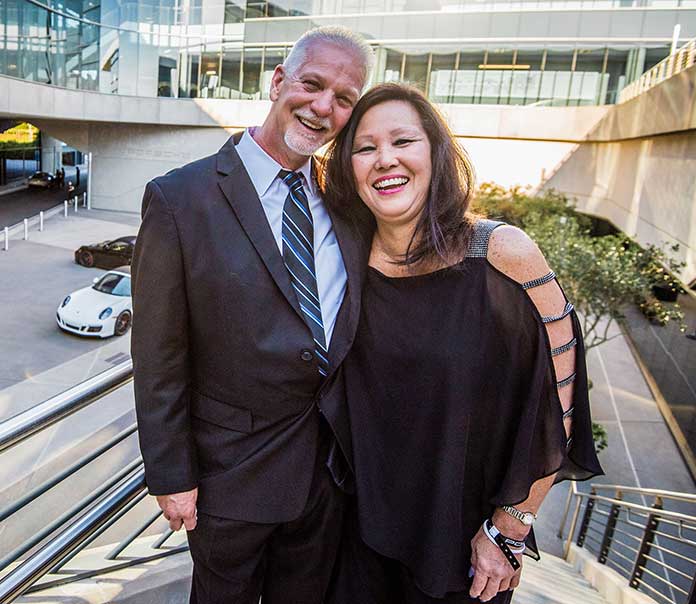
(24, 569)
(678, 61)
(654, 548)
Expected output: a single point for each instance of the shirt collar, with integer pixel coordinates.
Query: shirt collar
(265, 168)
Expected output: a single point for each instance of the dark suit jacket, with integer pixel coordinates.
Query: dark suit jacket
(224, 399)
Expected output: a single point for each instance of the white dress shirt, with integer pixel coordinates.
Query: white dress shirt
(331, 272)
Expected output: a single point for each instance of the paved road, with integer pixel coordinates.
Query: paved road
(15, 207)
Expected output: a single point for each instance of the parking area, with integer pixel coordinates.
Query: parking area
(39, 359)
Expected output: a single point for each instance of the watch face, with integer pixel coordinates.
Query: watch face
(528, 518)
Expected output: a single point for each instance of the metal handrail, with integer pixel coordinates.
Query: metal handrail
(25, 424)
(26, 574)
(95, 513)
(637, 506)
(691, 498)
(54, 545)
(649, 524)
(676, 62)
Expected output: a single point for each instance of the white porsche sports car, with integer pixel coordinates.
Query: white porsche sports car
(101, 310)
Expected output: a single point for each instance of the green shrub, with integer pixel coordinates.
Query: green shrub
(601, 275)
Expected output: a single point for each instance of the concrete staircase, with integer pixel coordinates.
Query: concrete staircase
(554, 581)
(167, 580)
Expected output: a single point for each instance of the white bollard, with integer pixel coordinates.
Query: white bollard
(26, 229)
(41, 221)
(7, 238)
(65, 208)
(84, 200)
(75, 202)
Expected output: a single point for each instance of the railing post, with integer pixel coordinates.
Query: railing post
(65, 208)
(26, 229)
(75, 203)
(84, 200)
(645, 547)
(7, 238)
(41, 220)
(609, 531)
(586, 519)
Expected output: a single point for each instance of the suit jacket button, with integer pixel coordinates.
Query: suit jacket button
(307, 355)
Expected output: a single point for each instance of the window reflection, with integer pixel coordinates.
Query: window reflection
(206, 49)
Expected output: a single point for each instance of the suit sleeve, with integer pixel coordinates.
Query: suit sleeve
(160, 350)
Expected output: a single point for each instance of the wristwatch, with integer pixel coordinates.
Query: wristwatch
(526, 518)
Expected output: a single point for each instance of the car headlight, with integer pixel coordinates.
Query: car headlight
(65, 301)
(106, 313)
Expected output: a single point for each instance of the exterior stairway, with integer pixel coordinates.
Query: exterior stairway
(166, 581)
(554, 581)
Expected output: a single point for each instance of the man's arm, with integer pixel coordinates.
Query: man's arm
(160, 350)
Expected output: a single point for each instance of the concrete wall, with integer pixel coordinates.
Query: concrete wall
(642, 177)
(126, 156)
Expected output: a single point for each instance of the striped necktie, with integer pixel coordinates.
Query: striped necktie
(298, 255)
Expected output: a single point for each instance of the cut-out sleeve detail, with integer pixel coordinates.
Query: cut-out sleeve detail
(569, 442)
(562, 315)
(568, 413)
(565, 348)
(550, 276)
(567, 381)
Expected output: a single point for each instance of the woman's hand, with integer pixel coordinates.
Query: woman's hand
(492, 571)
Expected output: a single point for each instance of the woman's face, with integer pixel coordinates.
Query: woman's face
(391, 162)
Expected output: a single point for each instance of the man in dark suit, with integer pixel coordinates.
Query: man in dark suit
(246, 298)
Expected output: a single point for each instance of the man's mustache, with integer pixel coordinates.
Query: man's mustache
(314, 119)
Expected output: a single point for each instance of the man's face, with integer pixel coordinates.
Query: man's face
(312, 104)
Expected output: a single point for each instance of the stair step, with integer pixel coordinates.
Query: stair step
(554, 581)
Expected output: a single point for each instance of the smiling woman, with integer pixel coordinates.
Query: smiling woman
(466, 398)
(391, 162)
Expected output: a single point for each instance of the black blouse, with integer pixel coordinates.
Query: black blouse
(454, 410)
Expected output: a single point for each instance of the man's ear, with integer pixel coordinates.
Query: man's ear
(277, 80)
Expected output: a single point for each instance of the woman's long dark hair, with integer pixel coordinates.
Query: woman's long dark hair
(443, 229)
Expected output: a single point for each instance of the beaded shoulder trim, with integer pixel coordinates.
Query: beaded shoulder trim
(478, 245)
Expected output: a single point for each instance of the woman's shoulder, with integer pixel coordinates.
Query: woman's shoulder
(514, 253)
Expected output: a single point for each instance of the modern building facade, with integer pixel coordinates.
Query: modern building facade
(514, 52)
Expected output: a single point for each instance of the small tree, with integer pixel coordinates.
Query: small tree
(599, 274)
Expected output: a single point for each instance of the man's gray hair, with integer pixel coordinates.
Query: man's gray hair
(336, 35)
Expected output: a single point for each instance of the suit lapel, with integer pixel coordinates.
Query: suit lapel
(355, 262)
(241, 195)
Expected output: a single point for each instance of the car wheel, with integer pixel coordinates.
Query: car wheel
(87, 259)
(123, 322)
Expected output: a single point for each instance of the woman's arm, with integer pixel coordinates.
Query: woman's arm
(513, 253)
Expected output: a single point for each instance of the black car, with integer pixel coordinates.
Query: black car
(42, 180)
(107, 254)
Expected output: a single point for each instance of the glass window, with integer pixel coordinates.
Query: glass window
(272, 58)
(231, 73)
(166, 76)
(416, 70)
(392, 69)
(255, 8)
(586, 88)
(654, 55)
(276, 9)
(616, 70)
(469, 76)
(300, 7)
(234, 11)
(442, 72)
(210, 74)
(251, 73)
